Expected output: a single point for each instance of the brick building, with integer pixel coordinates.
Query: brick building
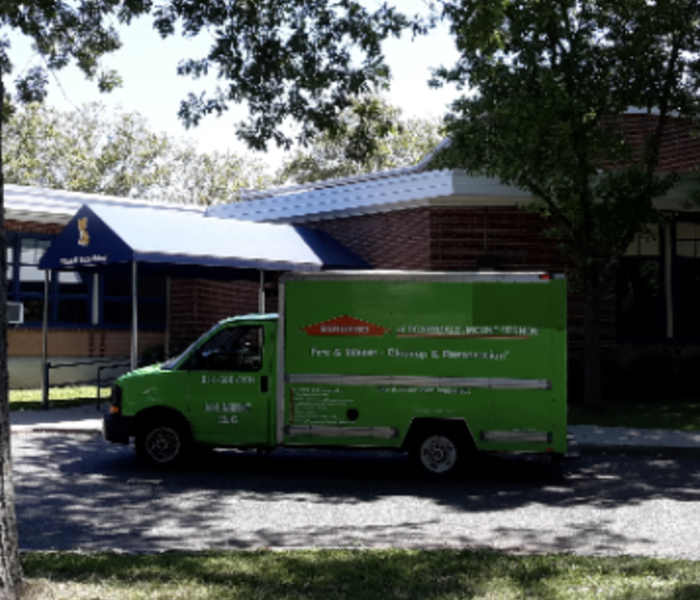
(88, 317)
(413, 218)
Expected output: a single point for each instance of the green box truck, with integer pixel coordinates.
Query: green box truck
(439, 365)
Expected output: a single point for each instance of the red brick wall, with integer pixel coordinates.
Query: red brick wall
(449, 239)
(30, 227)
(680, 148)
(507, 239)
(392, 240)
(88, 343)
(197, 304)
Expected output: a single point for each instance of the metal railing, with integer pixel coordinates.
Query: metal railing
(98, 379)
(99, 374)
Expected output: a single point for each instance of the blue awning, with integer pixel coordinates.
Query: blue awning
(102, 238)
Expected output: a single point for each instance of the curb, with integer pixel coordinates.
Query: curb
(577, 447)
(62, 430)
(625, 450)
(28, 429)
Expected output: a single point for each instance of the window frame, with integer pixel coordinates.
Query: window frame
(93, 296)
(14, 242)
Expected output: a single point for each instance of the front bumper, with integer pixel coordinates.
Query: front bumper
(118, 429)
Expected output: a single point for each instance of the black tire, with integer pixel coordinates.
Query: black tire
(163, 443)
(440, 453)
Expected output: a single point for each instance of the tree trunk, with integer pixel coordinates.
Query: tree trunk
(592, 386)
(10, 568)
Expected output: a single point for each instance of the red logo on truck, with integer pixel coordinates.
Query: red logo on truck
(349, 326)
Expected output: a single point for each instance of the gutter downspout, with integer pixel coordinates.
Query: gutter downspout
(45, 344)
(134, 315)
(261, 293)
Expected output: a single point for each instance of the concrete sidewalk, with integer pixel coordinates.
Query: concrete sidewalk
(88, 420)
(76, 419)
(592, 437)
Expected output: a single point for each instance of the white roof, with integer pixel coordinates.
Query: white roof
(100, 236)
(379, 192)
(24, 203)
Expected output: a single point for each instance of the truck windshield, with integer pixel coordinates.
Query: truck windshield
(170, 364)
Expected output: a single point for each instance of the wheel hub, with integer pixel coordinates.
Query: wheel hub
(438, 454)
(163, 444)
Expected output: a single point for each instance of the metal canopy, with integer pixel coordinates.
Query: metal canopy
(178, 244)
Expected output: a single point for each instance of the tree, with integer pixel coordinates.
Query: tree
(294, 60)
(210, 178)
(62, 32)
(91, 150)
(85, 150)
(371, 136)
(550, 81)
(298, 60)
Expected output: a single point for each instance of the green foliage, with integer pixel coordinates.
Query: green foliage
(654, 377)
(210, 178)
(550, 81)
(84, 150)
(550, 78)
(64, 33)
(678, 416)
(58, 397)
(371, 136)
(299, 60)
(357, 575)
(294, 62)
(91, 150)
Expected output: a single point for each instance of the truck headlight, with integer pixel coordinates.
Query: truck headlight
(115, 403)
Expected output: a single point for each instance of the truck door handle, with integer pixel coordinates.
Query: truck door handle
(264, 383)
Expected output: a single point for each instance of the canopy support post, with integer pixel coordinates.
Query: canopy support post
(261, 293)
(45, 344)
(134, 315)
(166, 351)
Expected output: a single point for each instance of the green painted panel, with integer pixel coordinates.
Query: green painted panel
(368, 357)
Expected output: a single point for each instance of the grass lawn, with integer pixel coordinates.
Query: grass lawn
(683, 416)
(355, 575)
(58, 396)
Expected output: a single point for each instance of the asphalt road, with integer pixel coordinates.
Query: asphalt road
(82, 493)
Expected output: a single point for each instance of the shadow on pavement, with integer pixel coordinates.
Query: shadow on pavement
(83, 493)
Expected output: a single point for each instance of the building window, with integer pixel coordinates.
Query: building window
(69, 293)
(640, 290)
(640, 300)
(686, 281)
(78, 299)
(116, 294)
(658, 286)
(27, 280)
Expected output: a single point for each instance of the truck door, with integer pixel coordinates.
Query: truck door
(230, 395)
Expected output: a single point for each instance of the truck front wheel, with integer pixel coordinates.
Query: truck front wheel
(161, 444)
(440, 453)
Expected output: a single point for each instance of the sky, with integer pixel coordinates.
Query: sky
(151, 86)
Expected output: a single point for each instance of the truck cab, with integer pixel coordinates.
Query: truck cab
(220, 392)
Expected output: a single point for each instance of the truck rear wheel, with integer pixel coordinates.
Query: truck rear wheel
(440, 453)
(162, 444)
